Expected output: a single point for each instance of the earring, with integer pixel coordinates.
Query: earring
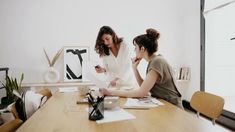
(142, 49)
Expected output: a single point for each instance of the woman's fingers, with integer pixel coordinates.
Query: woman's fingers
(104, 91)
(99, 69)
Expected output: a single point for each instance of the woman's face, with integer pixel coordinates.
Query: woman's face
(108, 40)
(138, 53)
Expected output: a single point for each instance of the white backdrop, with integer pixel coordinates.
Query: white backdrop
(28, 26)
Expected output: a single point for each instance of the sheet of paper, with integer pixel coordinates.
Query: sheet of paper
(117, 114)
(95, 80)
(146, 102)
(68, 89)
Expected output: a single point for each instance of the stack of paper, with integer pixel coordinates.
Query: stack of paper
(115, 115)
(146, 102)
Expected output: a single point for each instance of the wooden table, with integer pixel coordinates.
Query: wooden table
(62, 114)
(61, 84)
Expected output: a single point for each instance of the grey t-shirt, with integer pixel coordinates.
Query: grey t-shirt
(165, 87)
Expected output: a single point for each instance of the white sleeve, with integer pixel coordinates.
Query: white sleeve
(125, 71)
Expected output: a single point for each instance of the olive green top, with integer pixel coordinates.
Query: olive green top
(165, 87)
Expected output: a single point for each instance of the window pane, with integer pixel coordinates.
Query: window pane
(220, 54)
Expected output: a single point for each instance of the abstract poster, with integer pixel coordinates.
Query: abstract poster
(74, 57)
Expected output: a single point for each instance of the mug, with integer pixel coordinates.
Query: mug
(111, 102)
(7, 116)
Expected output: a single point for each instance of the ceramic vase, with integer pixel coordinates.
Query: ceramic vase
(52, 75)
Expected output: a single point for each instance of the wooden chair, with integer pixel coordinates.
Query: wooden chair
(11, 126)
(208, 104)
(46, 92)
(14, 111)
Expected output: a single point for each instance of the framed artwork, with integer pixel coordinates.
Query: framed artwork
(74, 57)
(3, 75)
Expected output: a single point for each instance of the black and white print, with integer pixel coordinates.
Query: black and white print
(74, 57)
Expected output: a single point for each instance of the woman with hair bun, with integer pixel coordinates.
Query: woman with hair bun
(159, 80)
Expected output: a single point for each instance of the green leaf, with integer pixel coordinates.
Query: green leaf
(21, 79)
(10, 85)
(15, 85)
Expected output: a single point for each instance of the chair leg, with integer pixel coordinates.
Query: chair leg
(198, 114)
(213, 121)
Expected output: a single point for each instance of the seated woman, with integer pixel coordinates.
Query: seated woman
(159, 80)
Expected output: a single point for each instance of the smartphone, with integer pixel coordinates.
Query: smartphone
(137, 59)
(97, 66)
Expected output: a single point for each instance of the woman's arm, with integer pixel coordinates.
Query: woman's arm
(146, 86)
(135, 63)
(139, 79)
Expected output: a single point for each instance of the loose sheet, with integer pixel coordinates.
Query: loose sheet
(117, 114)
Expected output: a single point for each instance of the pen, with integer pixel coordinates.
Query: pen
(136, 108)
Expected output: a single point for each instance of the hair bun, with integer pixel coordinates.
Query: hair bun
(152, 34)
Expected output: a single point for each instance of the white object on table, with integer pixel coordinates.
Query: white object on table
(146, 102)
(117, 114)
(68, 89)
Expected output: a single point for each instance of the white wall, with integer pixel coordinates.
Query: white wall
(28, 26)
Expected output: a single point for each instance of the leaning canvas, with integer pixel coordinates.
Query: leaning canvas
(74, 57)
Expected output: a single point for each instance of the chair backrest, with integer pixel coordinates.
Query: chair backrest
(45, 92)
(11, 126)
(208, 104)
(14, 111)
(29, 103)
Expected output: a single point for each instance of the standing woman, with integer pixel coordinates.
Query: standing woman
(159, 80)
(116, 58)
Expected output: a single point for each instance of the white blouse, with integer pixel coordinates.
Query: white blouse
(120, 66)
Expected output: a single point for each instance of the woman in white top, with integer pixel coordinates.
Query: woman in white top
(115, 55)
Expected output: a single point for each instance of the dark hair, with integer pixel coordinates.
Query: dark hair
(100, 47)
(148, 40)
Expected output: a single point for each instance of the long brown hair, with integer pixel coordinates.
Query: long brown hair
(149, 40)
(100, 47)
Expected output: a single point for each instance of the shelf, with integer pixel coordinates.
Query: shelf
(61, 84)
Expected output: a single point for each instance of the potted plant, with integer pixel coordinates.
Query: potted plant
(10, 85)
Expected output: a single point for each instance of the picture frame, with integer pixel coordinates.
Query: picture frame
(74, 58)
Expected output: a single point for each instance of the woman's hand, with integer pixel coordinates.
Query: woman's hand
(99, 69)
(135, 62)
(113, 83)
(104, 91)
